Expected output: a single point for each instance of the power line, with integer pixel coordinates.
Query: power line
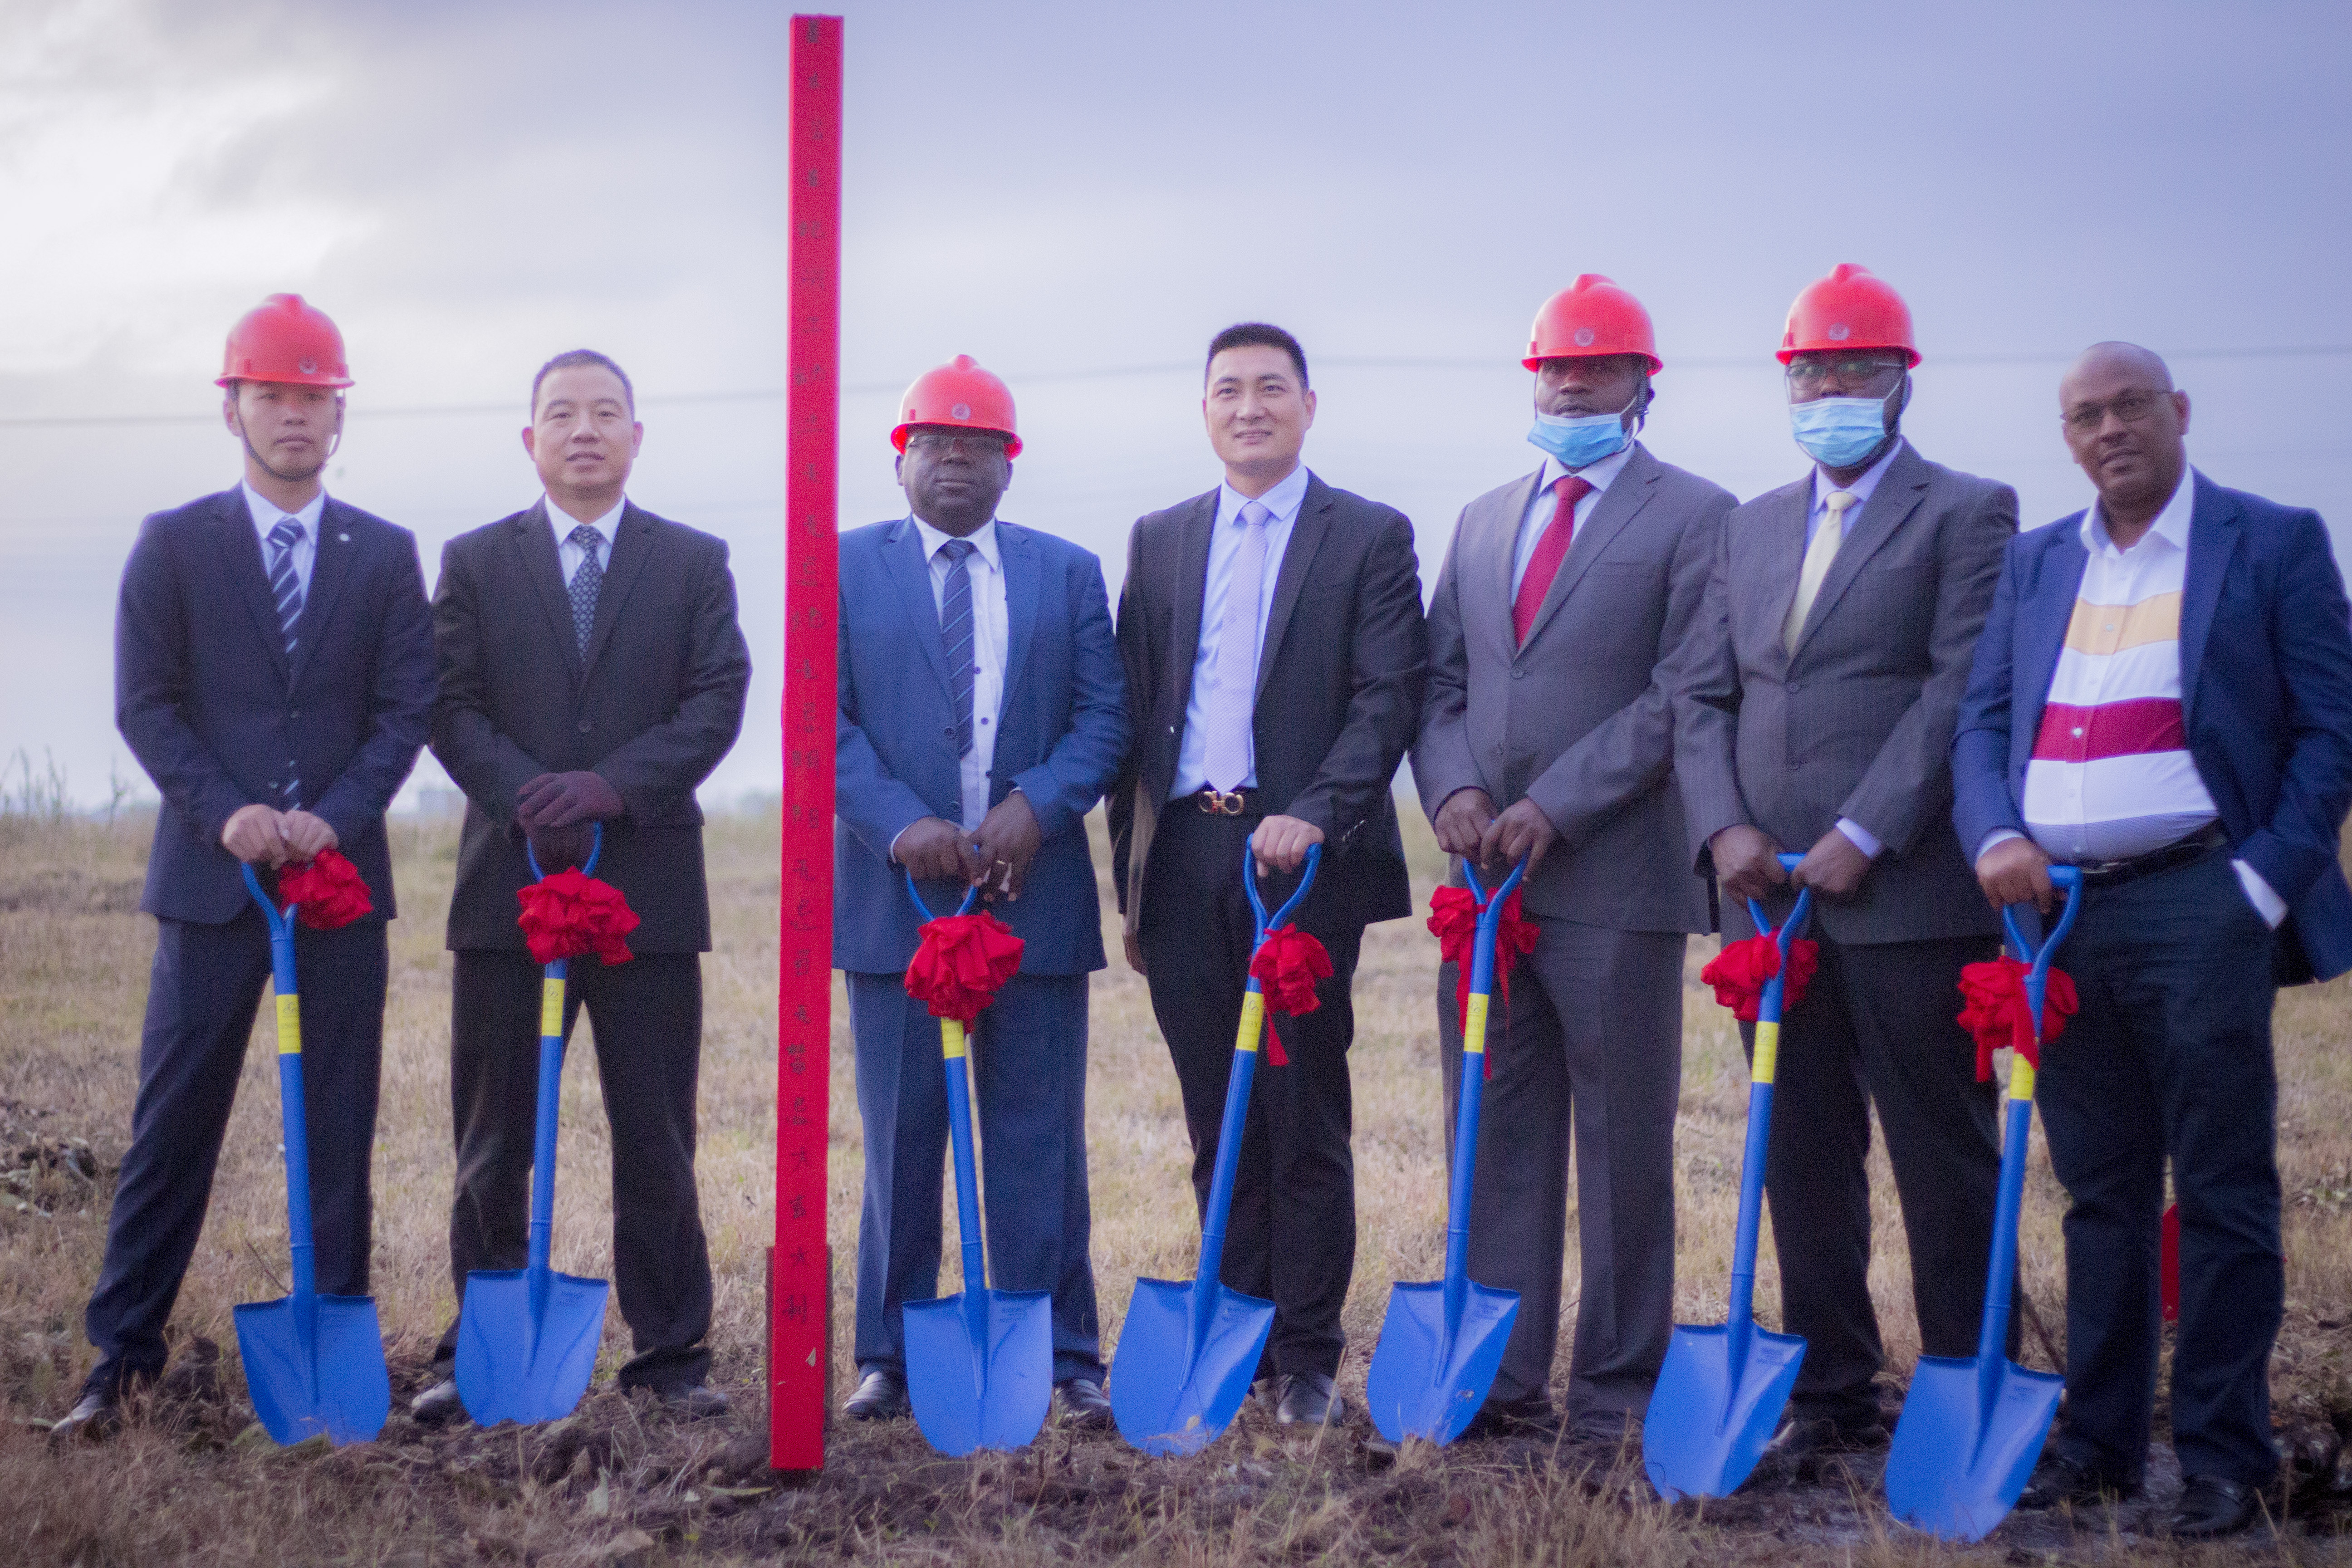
(1111, 373)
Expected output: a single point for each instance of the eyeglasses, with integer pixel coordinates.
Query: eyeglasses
(1806, 374)
(2131, 408)
(980, 443)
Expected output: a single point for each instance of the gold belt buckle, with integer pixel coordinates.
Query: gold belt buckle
(1218, 803)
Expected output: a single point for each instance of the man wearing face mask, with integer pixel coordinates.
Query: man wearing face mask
(1817, 717)
(1549, 732)
(983, 713)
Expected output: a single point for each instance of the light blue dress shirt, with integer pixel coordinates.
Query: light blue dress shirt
(1282, 502)
(266, 514)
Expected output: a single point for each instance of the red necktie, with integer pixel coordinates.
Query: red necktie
(1550, 551)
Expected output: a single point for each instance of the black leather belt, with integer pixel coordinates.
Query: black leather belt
(2173, 855)
(1228, 802)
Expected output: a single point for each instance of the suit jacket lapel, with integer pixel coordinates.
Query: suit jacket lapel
(1021, 575)
(1306, 538)
(1487, 559)
(241, 547)
(2212, 538)
(330, 569)
(1900, 489)
(2044, 612)
(1782, 561)
(1626, 496)
(633, 540)
(1191, 586)
(535, 539)
(911, 571)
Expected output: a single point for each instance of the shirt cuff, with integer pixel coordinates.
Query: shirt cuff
(1997, 835)
(893, 856)
(1862, 838)
(2258, 893)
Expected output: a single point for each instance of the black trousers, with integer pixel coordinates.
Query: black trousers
(1291, 1238)
(2170, 1056)
(1880, 1025)
(202, 994)
(647, 1014)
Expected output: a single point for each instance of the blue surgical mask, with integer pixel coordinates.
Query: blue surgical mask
(1839, 432)
(1583, 440)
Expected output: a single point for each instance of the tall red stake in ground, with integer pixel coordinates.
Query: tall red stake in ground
(800, 1295)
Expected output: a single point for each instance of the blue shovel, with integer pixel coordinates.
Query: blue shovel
(980, 1363)
(1189, 1348)
(1973, 1426)
(314, 1363)
(1443, 1343)
(1721, 1390)
(526, 1337)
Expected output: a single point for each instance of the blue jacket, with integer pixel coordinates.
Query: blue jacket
(1061, 737)
(2266, 694)
(204, 696)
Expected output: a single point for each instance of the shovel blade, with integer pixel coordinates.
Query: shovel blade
(337, 1384)
(1709, 1419)
(1957, 1462)
(1170, 1397)
(513, 1366)
(1428, 1378)
(979, 1368)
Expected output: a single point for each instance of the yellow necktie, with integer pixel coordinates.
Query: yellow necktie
(1818, 557)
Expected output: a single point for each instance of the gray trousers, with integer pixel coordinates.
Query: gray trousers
(1590, 1040)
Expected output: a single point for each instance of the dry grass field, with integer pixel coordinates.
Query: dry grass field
(622, 1484)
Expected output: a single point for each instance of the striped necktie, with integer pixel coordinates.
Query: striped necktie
(584, 583)
(955, 634)
(285, 582)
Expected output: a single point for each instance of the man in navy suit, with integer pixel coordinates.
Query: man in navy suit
(274, 676)
(982, 714)
(2163, 698)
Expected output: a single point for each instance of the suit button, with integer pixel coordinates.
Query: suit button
(294, 713)
(1519, 675)
(585, 726)
(1795, 686)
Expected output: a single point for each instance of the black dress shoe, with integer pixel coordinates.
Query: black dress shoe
(1818, 1437)
(2210, 1507)
(1083, 1404)
(2059, 1479)
(692, 1401)
(881, 1397)
(1307, 1398)
(95, 1417)
(1530, 1416)
(439, 1404)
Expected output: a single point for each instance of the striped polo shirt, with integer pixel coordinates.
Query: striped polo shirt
(2111, 775)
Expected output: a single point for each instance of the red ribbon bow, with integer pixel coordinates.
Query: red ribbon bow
(1740, 971)
(961, 962)
(1453, 921)
(330, 891)
(570, 913)
(1994, 1010)
(1286, 967)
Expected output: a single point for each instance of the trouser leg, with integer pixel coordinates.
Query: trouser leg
(903, 1108)
(341, 975)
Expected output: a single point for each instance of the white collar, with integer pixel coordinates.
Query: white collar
(266, 512)
(2171, 524)
(1862, 485)
(564, 522)
(1282, 502)
(1598, 474)
(981, 539)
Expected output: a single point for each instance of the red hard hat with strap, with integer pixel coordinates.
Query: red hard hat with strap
(284, 340)
(958, 393)
(1592, 316)
(1849, 308)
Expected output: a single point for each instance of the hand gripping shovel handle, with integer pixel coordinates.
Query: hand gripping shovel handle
(952, 1050)
(1766, 1063)
(1474, 1044)
(289, 1088)
(550, 1092)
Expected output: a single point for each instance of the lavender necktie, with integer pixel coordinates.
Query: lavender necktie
(1232, 675)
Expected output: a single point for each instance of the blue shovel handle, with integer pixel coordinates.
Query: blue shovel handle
(1474, 1082)
(551, 1098)
(953, 1053)
(295, 1125)
(1767, 1057)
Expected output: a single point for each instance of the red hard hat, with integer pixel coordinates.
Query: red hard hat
(282, 339)
(1592, 316)
(1848, 310)
(958, 393)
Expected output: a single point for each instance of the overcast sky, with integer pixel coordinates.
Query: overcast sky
(1079, 196)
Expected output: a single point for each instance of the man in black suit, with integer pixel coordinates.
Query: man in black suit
(274, 676)
(591, 671)
(1275, 656)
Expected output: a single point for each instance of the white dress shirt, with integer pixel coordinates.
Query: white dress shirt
(991, 637)
(1282, 503)
(562, 523)
(1537, 517)
(1862, 838)
(268, 514)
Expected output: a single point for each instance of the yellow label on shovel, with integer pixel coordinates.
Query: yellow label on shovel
(951, 1040)
(1474, 1026)
(1253, 1020)
(1767, 1051)
(2021, 1078)
(290, 1025)
(550, 1007)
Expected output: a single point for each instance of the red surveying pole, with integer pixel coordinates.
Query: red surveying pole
(800, 1283)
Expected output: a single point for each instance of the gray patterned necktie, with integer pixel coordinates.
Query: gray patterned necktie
(584, 583)
(955, 634)
(286, 587)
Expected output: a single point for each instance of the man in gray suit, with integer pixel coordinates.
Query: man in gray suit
(1549, 732)
(1818, 716)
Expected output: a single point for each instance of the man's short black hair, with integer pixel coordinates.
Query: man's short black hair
(570, 357)
(1245, 334)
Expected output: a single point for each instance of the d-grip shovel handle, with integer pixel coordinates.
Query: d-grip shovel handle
(595, 849)
(1289, 905)
(1767, 1010)
(2037, 962)
(294, 1124)
(547, 1112)
(1482, 950)
(964, 908)
(1767, 1057)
